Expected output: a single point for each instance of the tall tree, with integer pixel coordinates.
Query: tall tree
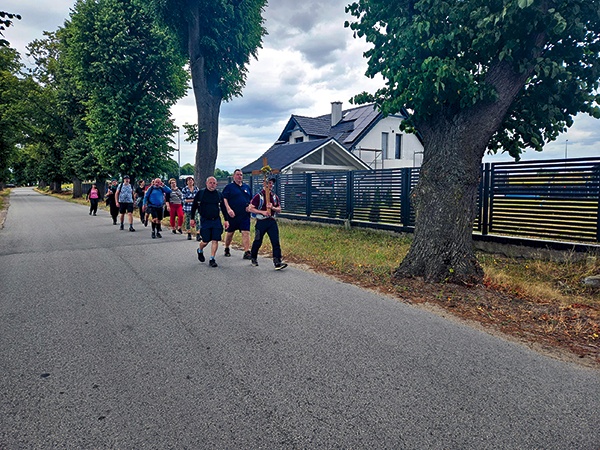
(219, 37)
(501, 74)
(133, 74)
(58, 116)
(10, 93)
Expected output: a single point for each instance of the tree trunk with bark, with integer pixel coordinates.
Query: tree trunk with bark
(208, 96)
(446, 195)
(56, 187)
(445, 201)
(77, 189)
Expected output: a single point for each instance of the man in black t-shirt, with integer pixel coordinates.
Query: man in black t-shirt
(209, 203)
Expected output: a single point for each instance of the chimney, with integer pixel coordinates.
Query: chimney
(336, 113)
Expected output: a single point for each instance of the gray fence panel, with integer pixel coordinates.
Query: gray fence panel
(552, 200)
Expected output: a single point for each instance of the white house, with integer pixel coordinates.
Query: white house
(351, 139)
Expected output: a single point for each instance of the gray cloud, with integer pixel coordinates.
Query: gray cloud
(307, 61)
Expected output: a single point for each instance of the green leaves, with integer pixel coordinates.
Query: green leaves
(132, 73)
(443, 59)
(525, 3)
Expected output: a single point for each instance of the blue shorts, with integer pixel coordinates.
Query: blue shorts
(211, 230)
(239, 222)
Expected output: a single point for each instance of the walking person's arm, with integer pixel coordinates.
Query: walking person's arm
(195, 206)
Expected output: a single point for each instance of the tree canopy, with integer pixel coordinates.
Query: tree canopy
(132, 74)
(219, 37)
(501, 75)
(5, 22)
(442, 58)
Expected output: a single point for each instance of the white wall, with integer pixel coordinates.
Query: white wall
(296, 134)
(411, 147)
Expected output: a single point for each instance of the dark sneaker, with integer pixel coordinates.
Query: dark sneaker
(174, 231)
(254, 262)
(201, 257)
(146, 222)
(158, 235)
(280, 266)
(115, 222)
(247, 255)
(122, 227)
(227, 252)
(180, 231)
(213, 263)
(189, 236)
(94, 214)
(131, 228)
(198, 237)
(153, 235)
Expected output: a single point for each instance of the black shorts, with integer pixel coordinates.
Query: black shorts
(125, 208)
(211, 230)
(239, 222)
(155, 211)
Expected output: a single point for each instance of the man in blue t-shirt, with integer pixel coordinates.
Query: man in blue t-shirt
(236, 197)
(154, 202)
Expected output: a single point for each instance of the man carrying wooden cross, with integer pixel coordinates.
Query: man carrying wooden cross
(263, 207)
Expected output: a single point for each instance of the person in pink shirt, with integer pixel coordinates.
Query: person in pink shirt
(93, 196)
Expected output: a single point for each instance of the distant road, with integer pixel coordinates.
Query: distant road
(110, 339)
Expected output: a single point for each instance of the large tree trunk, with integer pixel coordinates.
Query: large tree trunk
(56, 187)
(446, 195)
(208, 96)
(445, 201)
(77, 189)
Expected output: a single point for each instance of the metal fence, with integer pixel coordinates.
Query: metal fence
(548, 200)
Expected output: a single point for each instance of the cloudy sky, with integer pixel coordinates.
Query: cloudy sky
(308, 60)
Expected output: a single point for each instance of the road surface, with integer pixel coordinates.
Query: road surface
(110, 339)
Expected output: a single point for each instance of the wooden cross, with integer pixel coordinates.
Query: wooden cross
(266, 171)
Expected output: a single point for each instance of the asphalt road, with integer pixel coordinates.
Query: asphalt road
(109, 339)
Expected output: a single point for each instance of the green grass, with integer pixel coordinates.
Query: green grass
(3, 194)
(370, 257)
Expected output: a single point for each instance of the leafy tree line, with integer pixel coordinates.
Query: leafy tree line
(97, 101)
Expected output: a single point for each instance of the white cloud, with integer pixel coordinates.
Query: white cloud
(308, 60)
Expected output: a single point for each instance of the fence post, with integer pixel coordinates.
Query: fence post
(598, 218)
(308, 194)
(485, 197)
(405, 196)
(350, 196)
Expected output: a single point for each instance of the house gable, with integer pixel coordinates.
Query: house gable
(310, 156)
(372, 140)
(353, 124)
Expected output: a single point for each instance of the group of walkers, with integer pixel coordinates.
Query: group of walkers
(199, 211)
